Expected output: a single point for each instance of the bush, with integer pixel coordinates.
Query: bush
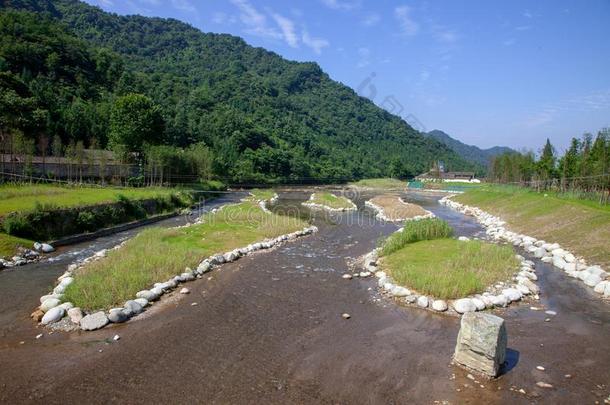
(414, 231)
(87, 221)
(18, 224)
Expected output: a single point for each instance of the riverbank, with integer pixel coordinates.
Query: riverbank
(580, 226)
(327, 201)
(31, 213)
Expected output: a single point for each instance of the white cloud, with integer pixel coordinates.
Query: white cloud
(288, 32)
(509, 42)
(407, 25)
(371, 20)
(341, 4)
(444, 35)
(527, 14)
(523, 28)
(254, 20)
(599, 100)
(316, 44)
(106, 3)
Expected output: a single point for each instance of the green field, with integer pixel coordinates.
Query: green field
(581, 226)
(448, 268)
(383, 183)
(158, 254)
(330, 200)
(15, 198)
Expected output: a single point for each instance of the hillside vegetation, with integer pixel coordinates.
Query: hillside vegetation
(68, 69)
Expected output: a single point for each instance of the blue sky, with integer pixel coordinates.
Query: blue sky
(486, 72)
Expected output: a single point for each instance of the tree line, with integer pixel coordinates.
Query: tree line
(584, 168)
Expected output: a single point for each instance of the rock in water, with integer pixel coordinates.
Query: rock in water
(481, 343)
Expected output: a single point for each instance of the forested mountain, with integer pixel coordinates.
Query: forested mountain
(469, 152)
(64, 64)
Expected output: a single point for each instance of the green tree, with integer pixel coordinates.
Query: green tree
(546, 164)
(135, 119)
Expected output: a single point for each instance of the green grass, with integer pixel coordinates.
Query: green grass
(157, 254)
(260, 194)
(9, 244)
(383, 183)
(581, 226)
(414, 231)
(331, 200)
(449, 269)
(14, 198)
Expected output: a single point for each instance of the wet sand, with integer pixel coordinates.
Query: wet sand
(268, 328)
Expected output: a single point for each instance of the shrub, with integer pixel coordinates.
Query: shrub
(414, 231)
(87, 221)
(18, 224)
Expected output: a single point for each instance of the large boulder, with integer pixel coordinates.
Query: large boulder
(481, 343)
(94, 321)
(49, 303)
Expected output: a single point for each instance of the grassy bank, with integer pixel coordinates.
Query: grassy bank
(23, 198)
(447, 268)
(384, 183)
(581, 226)
(330, 200)
(158, 254)
(9, 245)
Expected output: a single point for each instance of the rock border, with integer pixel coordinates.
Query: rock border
(314, 206)
(52, 309)
(500, 294)
(576, 267)
(27, 256)
(381, 213)
(263, 203)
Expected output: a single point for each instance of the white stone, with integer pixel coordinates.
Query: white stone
(49, 303)
(53, 315)
(399, 291)
(148, 295)
(500, 300)
(464, 305)
(539, 252)
(569, 258)
(592, 280)
(75, 315)
(601, 287)
(512, 294)
(46, 248)
(422, 301)
(185, 291)
(559, 262)
(142, 301)
(479, 303)
(439, 305)
(347, 276)
(530, 285)
(523, 289)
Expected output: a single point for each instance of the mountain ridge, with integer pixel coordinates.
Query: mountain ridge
(469, 152)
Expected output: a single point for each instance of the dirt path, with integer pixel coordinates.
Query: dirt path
(268, 328)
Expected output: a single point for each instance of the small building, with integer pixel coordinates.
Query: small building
(435, 175)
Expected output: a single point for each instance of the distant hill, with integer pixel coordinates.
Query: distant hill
(469, 152)
(264, 118)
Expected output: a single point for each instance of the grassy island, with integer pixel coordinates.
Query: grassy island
(329, 200)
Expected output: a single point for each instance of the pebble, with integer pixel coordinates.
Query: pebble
(550, 312)
(116, 337)
(547, 320)
(347, 276)
(39, 336)
(540, 368)
(194, 304)
(470, 376)
(568, 376)
(185, 291)
(346, 316)
(542, 384)
(522, 391)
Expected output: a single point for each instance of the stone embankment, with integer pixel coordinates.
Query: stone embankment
(592, 276)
